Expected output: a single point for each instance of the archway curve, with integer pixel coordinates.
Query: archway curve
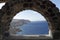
(45, 7)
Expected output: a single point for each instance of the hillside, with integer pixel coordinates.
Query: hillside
(15, 25)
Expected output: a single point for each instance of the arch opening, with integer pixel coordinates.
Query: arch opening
(29, 22)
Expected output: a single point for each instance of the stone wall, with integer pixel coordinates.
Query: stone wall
(1, 1)
(45, 7)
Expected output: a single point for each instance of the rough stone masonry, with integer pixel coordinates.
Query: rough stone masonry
(45, 7)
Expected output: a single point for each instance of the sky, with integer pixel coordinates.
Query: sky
(30, 14)
(57, 2)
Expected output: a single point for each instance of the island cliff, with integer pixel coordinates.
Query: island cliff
(16, 24)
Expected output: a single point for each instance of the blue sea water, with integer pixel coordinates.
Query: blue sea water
(34, 28)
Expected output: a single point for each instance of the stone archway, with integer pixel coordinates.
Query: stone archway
(45, 7)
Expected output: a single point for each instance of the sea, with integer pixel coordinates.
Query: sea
(34, 28)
